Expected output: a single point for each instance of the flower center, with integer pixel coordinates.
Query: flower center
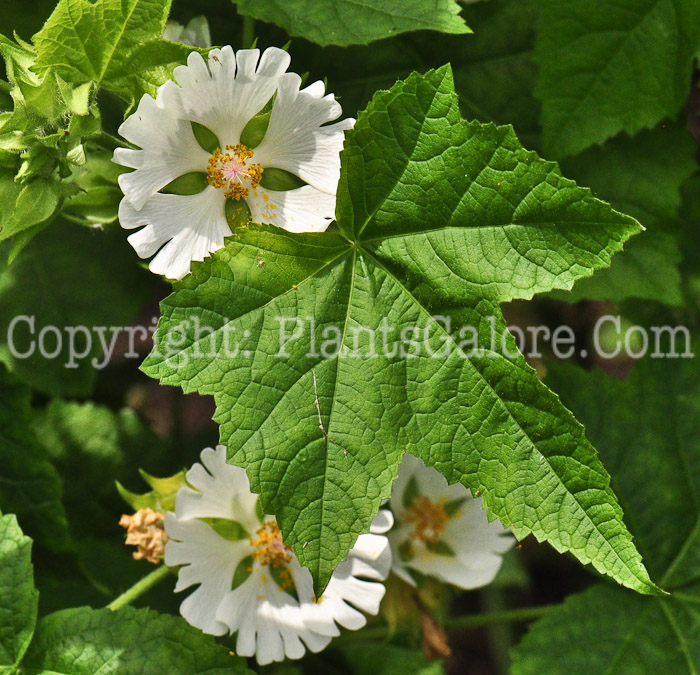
(233, 172)
(269, 547)
(429, 519)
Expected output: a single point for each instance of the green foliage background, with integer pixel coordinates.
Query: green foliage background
(548, 172)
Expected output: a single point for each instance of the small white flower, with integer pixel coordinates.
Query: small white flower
(250, 582)
(441, 530)
(223, 94)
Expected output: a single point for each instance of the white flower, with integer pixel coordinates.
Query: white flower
(250, 582)
(223, 95)
(441, 531)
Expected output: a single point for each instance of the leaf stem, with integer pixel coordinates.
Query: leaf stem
(248, 32)
(5, 86)
(139, 588)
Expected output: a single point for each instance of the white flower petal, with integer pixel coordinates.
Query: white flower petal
(302, 581)
(269, 645)
(383, 522)
(339, 601)
(296, 141)
(187, 227)
(346, 593)
(305, 209)
(371, 557)
(196, 610)
(484, 536)
(207, 560)
(220, 491)
(454, 570)
(268, 621)
(169, 147)
(365, 595)
(431, 483)
(224, 93)
(333, 611)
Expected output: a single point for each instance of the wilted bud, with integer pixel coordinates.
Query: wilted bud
(146, 530)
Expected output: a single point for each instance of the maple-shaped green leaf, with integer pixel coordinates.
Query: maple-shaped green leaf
(437, 217)
(30, 487)
(602, 71)
(19, 599)
(129, 641)
(647, 429)
(641, 176)
(115, 43)
(347, 22)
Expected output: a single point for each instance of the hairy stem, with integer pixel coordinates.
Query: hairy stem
(110, 142)
(139, 588)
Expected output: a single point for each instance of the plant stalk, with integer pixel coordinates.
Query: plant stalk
(248, 37)
(139, 588)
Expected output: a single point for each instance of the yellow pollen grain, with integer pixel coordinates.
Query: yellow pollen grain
(285, 580)
(428, 518)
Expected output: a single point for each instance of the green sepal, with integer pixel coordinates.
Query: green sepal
(161, 498)
(230, 530)
(243, 571)
(454, 505)
(411, 492)
(440, 548)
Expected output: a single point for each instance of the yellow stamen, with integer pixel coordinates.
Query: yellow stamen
(429, 519)
(269, 548)
(232, 172)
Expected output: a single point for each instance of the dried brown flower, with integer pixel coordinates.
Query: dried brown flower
(146, 530)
